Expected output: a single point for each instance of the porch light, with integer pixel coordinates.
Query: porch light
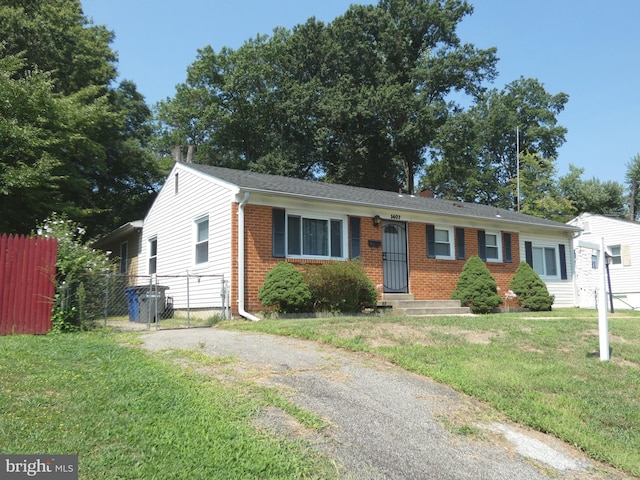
(376, 221)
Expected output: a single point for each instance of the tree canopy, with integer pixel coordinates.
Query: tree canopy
(632, 179)
(485, 139)
(69, 142)
(357, 101)
(383, 96)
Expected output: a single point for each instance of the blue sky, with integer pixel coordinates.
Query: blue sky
(589, 49)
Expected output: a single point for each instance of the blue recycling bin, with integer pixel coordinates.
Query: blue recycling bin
(145, 303)
(133, 301)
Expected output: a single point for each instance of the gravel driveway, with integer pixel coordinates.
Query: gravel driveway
(386, 423)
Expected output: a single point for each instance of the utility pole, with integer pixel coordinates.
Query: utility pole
(518, 167)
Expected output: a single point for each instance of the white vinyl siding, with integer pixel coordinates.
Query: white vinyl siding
(625, 267)
(172, 219)
(562, 290)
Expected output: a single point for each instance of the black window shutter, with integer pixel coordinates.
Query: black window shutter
(278, 232)
(336, 238)
(354, 241)
(482, 245)
(563, 262)
(528, 253)
(431, 241)
(506, 244)
(460, 252)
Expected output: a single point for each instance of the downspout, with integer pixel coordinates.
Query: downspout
(241, 309)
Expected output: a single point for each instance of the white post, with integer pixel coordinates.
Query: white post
(603, 322)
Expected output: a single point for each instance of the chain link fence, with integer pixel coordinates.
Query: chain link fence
(146, 302)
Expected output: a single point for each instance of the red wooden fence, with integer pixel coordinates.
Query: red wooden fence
(27, 283)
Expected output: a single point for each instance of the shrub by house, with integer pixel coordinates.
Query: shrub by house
(340, 287)
(285, 290)
(531, 290)
(476, 287)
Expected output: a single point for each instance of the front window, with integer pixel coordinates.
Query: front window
(314, 237)
(545, 261)
(153, 255)
(492, 247)
(443, 247)
(202, 240)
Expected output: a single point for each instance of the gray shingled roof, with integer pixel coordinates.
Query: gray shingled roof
(310, 189)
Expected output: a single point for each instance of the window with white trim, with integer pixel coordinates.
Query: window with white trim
(493, 247)
(202, 240)
(309, 236)
(443, 242)
(153, 255)
(545, 260)
(615, 254)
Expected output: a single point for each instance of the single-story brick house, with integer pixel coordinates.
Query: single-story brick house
(622, 242)
(213, 220)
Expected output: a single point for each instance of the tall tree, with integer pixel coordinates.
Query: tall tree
(56, 37)
(357, 101)
(67, 137)
(539, 189)
(250, 108)
(593, 195)
(486, 137)
(29, 113)
(396, 65)
(632, 178)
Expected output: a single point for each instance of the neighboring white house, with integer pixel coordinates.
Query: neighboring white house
(622, 242)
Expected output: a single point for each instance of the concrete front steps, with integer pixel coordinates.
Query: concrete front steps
(405, 305)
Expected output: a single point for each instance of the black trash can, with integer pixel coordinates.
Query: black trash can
(145, 302)
(152, 303)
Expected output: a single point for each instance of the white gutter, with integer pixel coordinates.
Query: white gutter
(241, 309)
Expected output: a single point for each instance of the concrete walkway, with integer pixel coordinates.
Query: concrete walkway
(385, 423)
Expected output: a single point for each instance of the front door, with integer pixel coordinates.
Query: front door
(394, 257)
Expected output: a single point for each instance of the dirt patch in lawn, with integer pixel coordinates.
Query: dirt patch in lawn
(392, 334)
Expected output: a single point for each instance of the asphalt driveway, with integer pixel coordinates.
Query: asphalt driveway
(386, 423)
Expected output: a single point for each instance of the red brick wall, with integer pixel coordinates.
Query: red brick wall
(435, 279)
(429, 279)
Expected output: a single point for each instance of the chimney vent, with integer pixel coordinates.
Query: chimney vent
(427, 193)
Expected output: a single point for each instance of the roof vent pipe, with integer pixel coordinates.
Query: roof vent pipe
(241, 309)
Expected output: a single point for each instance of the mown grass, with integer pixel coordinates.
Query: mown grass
(130, 414)
(542, 370)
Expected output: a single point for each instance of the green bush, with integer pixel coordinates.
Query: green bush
(284, 289)
(340, 287)
(531, 290)
(476, 287)
(79, 296)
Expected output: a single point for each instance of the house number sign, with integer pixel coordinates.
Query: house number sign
(395, 217)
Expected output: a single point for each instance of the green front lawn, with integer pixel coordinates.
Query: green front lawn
(540, 369)
(130, 414)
